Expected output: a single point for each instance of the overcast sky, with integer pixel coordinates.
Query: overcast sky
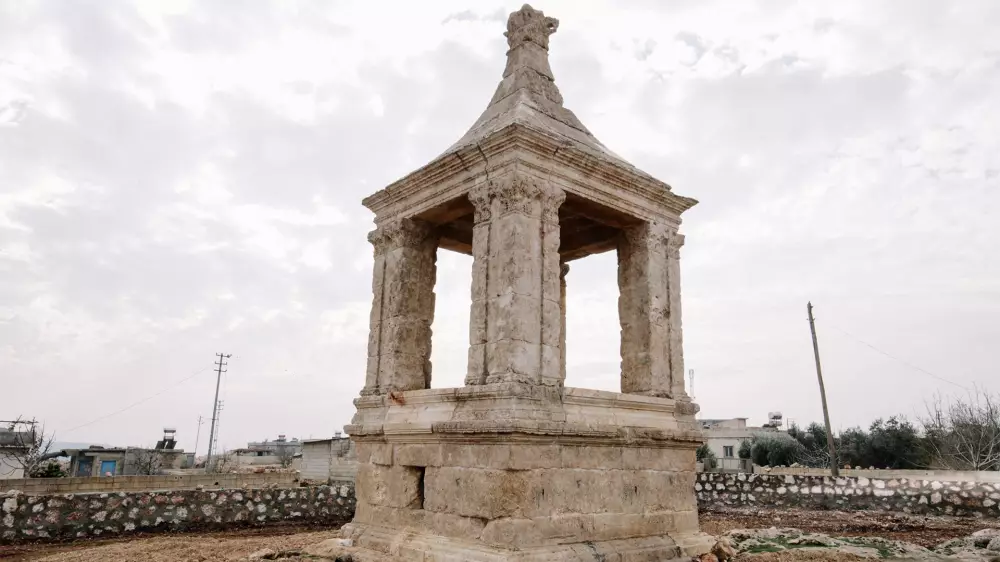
(184, 178)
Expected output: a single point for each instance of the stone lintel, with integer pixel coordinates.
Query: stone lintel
(572, 168)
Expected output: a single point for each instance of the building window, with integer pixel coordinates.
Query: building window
(727, 451)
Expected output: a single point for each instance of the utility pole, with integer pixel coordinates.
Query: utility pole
(219, 364)
(822, 394)
(197, 437)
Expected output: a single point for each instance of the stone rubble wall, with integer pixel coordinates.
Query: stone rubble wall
(84, 484)
(932, 497)
(62, 516)
(990, 476)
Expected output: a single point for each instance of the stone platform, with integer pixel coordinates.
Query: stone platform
(523, 472)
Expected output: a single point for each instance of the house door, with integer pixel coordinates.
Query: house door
(85, 467)
(108, 467)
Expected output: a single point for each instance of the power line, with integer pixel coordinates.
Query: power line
(894, 358)
(146, 399)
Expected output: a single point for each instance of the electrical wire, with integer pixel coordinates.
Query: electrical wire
(894, 358)
(134, 404)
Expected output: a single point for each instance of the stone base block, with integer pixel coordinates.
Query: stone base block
(381, 543)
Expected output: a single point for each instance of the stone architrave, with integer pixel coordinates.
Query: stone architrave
(516, 465)
(399, 341)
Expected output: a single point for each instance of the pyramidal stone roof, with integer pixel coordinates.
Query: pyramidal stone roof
(528, 94)
(527, 97)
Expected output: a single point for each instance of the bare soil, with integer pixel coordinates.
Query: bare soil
(207, 546)
(238, 544)
(926, 531)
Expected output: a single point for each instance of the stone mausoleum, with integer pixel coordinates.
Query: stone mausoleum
(515, 465)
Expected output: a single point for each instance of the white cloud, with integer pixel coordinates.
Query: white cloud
(181, 178)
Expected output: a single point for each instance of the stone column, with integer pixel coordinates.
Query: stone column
(644, 311)
(482, 202)
(563, 271)
(515, 326)
(399, 341)
(674, 243)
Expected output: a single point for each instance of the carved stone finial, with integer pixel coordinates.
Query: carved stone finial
(529, 24)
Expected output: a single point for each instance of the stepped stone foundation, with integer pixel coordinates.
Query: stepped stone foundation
(515, 465)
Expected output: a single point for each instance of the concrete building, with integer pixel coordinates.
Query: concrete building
(98, 460)
(328, 460)
(264, 453)
(724, 437)
(13, 444)
(281, 443)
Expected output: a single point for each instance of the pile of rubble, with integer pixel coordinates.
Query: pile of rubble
(743, 544)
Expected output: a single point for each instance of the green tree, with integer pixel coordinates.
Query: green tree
(853, 447)
(895, 443)
(812, 450)
(776, 450)
(705, 455)
(745, 449)
(49, 470)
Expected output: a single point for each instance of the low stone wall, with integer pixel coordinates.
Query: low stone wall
(991, 476)
(62, 516)
(145, 483)
(824, 492)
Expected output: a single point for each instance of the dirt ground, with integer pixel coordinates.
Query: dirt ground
(925, 531)
(237, 545)
(225, 546)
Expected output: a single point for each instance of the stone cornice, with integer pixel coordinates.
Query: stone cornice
(454, 174)
(631, 412)
(525, 431)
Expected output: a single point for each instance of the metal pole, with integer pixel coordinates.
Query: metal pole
(822, 394)
(215, 408)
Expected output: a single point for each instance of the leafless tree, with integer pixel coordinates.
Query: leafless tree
(144, 461)
(222, 463)
(24, 443)
(964, 434)
(285, 454)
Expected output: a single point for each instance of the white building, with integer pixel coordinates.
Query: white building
(9, 469)
(264, 453)
(12, 444)
(724, 437)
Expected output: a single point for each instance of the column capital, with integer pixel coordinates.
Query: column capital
(655, 237)
(517, 193)
(400, 233)
(482, 201)
(675, 241)
(563, 270)
(552, 198)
